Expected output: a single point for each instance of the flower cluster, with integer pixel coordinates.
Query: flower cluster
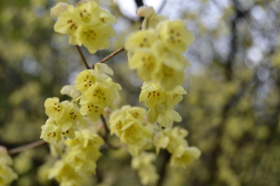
(98, 91)
(156, 53)
(161, 103)
(64, 117)
(83, 151)
(128, 124)
(173, 139)
(65, 174)
(86, 24)
(147, 171)
(7, 174)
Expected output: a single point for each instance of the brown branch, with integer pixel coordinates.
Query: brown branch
(82, 56)
(162, 172)
(110, 56)
(107, 131)
(113, 54)
(161, 6)
(25, 147)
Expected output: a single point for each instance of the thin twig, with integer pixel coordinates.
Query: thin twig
(110, 56)
(82, 56)
(113, 54)
(161, 6)
(25, 147)
(107, 131)
(162, 172)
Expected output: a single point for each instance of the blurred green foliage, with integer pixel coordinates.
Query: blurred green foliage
(231, 109)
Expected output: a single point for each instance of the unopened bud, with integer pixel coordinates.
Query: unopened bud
(70, 91)
(58, 9)
(145, 11)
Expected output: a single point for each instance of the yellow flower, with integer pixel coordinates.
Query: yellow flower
(83, 151)
(151, 19)
(184, 155)
(81, 162)
(123, 117)
(70, 116)
(71, 91)
(95, 37)
(145, 62)
(58, 9)
(168, 78)
(67, 23)
(133, 134)
(107, 17)
(102, 69)
(134, 149)
(65, 125)
(114, 87)
(175, 35)
(90, 110)
(176, 137)
(127, 123)
(164, 115)
(170, 139)
(84, 80)
(174, 96)
(160, 141)
(147, 171)
(53, 108)
(86, 25)
(140, 40)
(171, 59)
(99, 94)
(145, 11)
(51, 132)
(65, 174)
(151, 94)
(7, 174)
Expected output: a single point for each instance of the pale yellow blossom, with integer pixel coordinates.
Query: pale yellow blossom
(184, 155)
(7, 174)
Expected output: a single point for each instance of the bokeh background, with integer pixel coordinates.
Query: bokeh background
(231, 110)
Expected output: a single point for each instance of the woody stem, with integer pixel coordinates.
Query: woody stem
(82, 56)
(25, 147)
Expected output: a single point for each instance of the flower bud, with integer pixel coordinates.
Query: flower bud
(71, 91)
(145, 11)
(58, 9)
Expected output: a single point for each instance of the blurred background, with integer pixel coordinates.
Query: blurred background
(231, 110)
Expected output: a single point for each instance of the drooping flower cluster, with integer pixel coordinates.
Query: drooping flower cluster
(156, 53)
(83, 151)
(98, 91)
(128, 124)
(64, 117)
(7, 174)
(161, 103)
(65, 174)
(86, 24)
(147, 171)
(173, 139)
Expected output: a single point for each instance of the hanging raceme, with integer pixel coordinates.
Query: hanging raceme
(146, 170)
(128, 124)
(156, 51)
(161, 103)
